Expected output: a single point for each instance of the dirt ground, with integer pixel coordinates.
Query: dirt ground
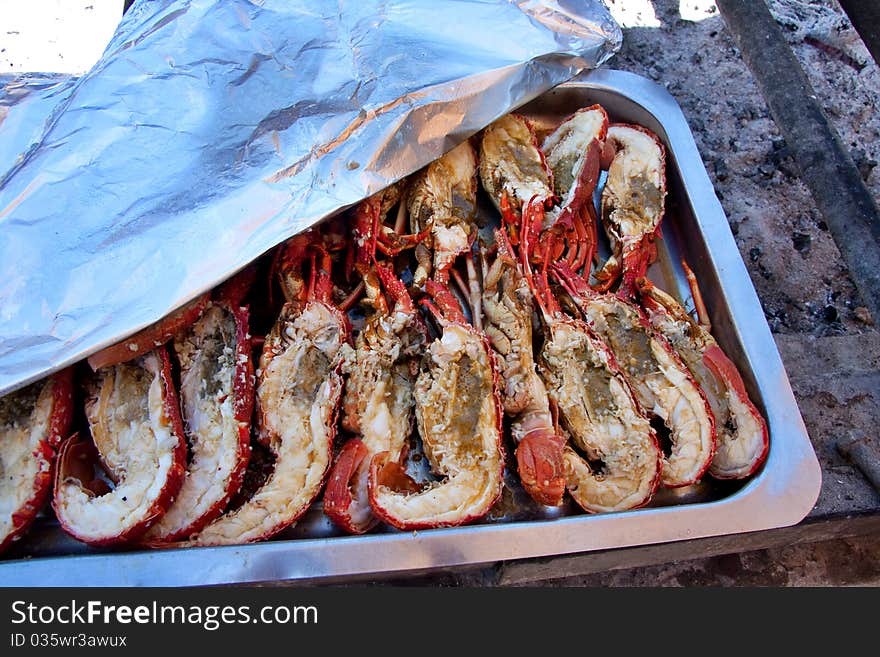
(843, 74)
(792, 258)
(845, 562)
(835, 563)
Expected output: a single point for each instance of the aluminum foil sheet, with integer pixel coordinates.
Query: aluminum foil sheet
(209, 132)
(26, 103)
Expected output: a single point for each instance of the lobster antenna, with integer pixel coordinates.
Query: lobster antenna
(699, 305)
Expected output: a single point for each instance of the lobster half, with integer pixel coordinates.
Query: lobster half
(458, 415)
(33, 422)
(113, 488)
(298, 393)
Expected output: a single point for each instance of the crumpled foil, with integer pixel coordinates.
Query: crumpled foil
(33, 97)
(209, 132)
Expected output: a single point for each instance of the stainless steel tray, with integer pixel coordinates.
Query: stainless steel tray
(781, 494)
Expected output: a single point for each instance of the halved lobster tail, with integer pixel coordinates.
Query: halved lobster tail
(137, 445)
(217, 398)
(742, 437)
(617, 466)
(662, 384)
(633, 203)
(33, 422)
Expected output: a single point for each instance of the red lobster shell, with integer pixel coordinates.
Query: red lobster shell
(33, 421)
(137, 435)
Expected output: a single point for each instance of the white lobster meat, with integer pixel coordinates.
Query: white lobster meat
(33, 421)
(216, 390)
(137, 435)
